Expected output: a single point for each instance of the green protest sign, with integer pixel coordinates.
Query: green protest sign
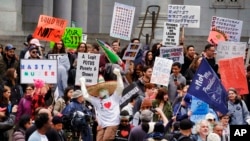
(71, 37)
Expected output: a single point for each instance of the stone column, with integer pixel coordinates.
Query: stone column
(10, 17)
(162, 17)
(63, 9)
(80, 13)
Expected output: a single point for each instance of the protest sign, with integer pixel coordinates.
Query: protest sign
(72, 37)
(172, 53)
(50, 28)
(128, 92)
(131, 51)
(186, 15)
(207, 87)
(215, 36)
(84, 38)
(56, 56)
(231, 27)
(171, 34)
(87, 66)
(199, 109)
(161, 71)
(38, 69)
(122, 21)
(230, 49)
(232, 73)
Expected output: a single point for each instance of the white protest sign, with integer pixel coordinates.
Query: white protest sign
(173, 53)
(131, 51)
(230, 49)
(56, 56)
(87, 66)
(186, 15)
(122, 21)
(38, 69)
(161, 71)
(84, 38)
(171, 34)
(231, 27)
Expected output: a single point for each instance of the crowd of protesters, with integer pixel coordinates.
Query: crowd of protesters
(28, 112)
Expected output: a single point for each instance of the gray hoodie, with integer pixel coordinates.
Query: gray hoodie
(62, 77)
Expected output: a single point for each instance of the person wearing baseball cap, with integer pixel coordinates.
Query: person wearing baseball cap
(8, 60)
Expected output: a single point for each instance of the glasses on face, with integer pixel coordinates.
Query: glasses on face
(211, 120)
(34, 52)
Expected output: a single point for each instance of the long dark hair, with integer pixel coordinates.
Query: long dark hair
(55, 50)
(24, 119)
(65, 95)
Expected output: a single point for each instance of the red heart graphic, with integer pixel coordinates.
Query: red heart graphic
(107, 105)
(124, 133)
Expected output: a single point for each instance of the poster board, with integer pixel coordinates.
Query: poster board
(231, 27)
(122, 21)
(161, 71)
(72, 37)
(171, 34)
(87, 66)
(31, 69)
(187, 15)
(50, 28)
(56, 56)
(232, 73)
(174, 53)
(230, 49)
(131, 51)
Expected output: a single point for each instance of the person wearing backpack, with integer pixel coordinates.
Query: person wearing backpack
(185, 134)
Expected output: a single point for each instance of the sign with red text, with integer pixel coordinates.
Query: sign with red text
(173, 53)
(231, 27)
(50, 28)
(232, 73)
(38, 69)
(87, 66)
(171, 34)
(122, 21)
(161, 71)
(186, 15)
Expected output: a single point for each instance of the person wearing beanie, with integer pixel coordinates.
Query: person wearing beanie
(78, 105)
(124, 127)
(58, 126)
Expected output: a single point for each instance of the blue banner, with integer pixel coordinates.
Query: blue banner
(207, 87)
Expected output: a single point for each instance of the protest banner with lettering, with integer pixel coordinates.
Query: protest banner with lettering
(38, 69)
(231, 27)
(128, 92)
(50, 28)
(207, 87)
(172, 53)
(87, 66)
(161, 71)
(56, 56)
(122, 21)
(230, 49)
(232, 73)
(131, 51)
(171, 34)
(186, 15)
(72, 37)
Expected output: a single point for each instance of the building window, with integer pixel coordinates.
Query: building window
(226, 3)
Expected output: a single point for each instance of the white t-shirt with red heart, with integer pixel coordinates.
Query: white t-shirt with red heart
(107, 110)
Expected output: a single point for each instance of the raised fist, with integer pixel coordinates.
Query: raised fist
(116, 71)
(82, 80)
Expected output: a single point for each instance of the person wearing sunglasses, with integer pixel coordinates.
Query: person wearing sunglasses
(33, 50)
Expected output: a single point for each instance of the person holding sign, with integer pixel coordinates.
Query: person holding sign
(106, 104)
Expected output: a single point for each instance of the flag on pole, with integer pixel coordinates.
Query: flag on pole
(207, 87)
(110, 54)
